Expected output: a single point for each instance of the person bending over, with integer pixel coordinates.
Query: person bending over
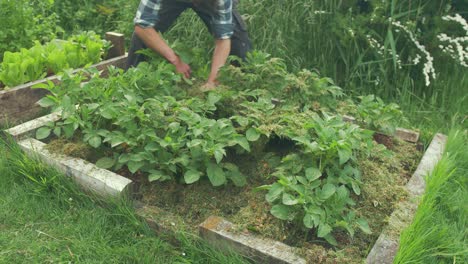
(220, 16)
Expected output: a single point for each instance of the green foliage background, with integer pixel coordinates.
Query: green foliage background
(23, 22)
(331, 37)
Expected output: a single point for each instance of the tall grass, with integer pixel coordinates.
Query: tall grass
(438, 233)
(332, 37)
(47, 218)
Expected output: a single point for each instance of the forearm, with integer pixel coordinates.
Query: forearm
(155, 42)
(220, 55)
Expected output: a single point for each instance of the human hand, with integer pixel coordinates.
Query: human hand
(209, 86)
(182, 67)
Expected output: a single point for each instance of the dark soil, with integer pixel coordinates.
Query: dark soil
(383, 139)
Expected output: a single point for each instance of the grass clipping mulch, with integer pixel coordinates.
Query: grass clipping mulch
(384, 176)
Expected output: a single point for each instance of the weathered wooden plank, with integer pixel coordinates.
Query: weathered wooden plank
(118, 44)
(220, 233)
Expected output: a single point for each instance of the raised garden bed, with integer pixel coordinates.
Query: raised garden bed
(19, 103)
(268, 165)
(225, 229)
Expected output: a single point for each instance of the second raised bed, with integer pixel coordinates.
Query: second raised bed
(19, 103)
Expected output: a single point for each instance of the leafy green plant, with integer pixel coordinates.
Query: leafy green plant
(162, 136)
(379, 116)
(314, 184)
(146, 120)
(25, 22)
(22, 67)
(34, 63)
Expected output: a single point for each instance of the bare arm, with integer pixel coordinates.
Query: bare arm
(221, 52)
(155, 42)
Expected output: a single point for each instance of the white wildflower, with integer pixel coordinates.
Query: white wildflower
(381, 50)
(459, 19)
(417, 59)
(320, 12)
(456, 47)
(428, 69)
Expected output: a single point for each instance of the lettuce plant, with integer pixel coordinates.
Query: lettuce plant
(35, 63)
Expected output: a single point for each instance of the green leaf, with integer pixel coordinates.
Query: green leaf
(274, 192)
(92, 106)
(115, 141)
(46, 102)
(213, 98)
(289, 199)
(174, 126)
(302, 180)
(313, 173)
(40, 86)
(237, 178)
(124, 158)
(215, 174)
(219, 153)
(195, 143)
(323, 230)
(43, 133)
(327, 191)
(299, 188)
(108, 113)
(364, 226)
(95, 141)
(137, 157)
(344, 154)
(252, 134)
(345, 225)
(155, 175)
(187, 81)
(310, 220)
(191, 176)
(316, 210)
(356, 188)
(152, 146)
(133, 166)
(105, 163)
(282, 212)
(58, 131)
(242, 141)
(242, 121)
(69, 130)
(184, 160)
(331, 239)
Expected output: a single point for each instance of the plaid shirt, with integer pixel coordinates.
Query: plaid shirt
(221, 21)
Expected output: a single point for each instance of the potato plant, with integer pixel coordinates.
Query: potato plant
(150, 122)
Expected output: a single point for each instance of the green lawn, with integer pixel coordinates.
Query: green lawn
(438, 233)
(45, 219)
